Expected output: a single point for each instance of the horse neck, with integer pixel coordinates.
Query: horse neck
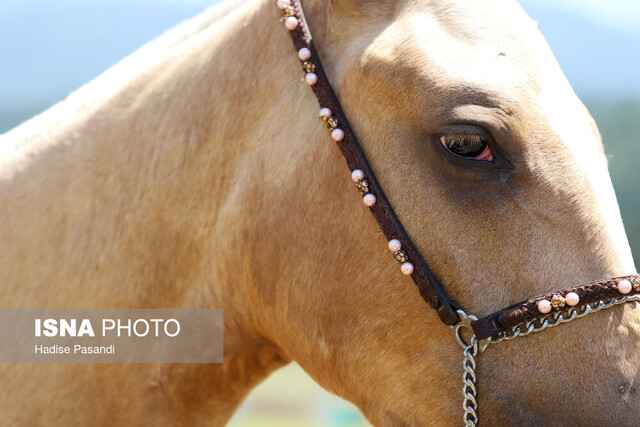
(148, 195)
(170, 142)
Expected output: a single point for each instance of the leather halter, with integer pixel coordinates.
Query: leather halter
(502, 321)
(519, 319)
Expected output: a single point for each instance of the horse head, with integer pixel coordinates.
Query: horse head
(498, 173)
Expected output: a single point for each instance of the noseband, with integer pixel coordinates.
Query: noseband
(520, 319)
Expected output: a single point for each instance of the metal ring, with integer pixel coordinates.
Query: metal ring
(465, 322)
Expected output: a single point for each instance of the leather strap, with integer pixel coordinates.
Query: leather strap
(427, 284)
(527, 310)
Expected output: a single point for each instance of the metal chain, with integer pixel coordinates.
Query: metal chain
(473, 349)
(470, 404)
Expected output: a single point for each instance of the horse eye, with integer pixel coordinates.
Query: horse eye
(468, 145)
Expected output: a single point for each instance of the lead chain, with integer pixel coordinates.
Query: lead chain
(470, 404)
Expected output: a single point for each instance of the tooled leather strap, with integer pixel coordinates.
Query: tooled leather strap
(429, 288)
(528, 310)
(490, 326)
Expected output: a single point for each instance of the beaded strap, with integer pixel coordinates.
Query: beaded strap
(535, 308)
(336, 122)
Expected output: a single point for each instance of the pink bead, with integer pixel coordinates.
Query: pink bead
(284, 3)
(291, 23)
(304, 54)
(325, 112)
(572, 299)
(624, 286)
(544, 306)
(369, 200)
(311, 79)
(395, 245)
(357, 175)
(407, 268)
(337, 135)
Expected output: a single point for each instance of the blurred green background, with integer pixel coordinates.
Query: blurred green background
(48, 49)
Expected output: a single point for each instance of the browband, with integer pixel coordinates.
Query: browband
(494, 326)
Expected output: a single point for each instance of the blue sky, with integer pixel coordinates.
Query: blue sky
(618, 14)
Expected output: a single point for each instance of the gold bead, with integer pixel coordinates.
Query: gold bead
(635, 282)
(363, 186)
(557, 301)
(401, 256)
(330, 122)
(288, 12)
(309, 67)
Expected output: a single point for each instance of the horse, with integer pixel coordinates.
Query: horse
(195, 174)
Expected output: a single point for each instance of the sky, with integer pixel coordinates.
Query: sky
(619, 14)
